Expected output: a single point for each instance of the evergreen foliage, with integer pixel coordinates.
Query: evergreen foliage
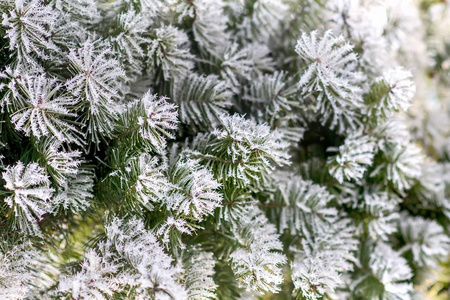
(224, 149)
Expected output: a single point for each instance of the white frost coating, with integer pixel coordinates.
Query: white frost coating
(15, 271)
(393, 131)
(85, 8)
(401, 89)
(209, 22)
(256, 138)
(96, 76)
(30, 194)
(327, 239)
(382, 210)
(29, 25)
(43, 111)
(149, 121)
(402, 166)
(364, 22)
(150, 185)
(94, 280)
(330, 74)
(313, 277)
(160, 117)
(328, 59)
(201, 99)
(426, 240)
(77, 193)
(392, 271)
(197, 189)
(130, 40)
(257, 263)
(173, 225)
(97, 82)
(198, 279)
(235, 66)
(433, 181)
(169, 52)
(265, 20)
(59, 163)
(355, 156)
(130, 258)
(328, 251)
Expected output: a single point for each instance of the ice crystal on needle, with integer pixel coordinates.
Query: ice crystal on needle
(29, 194)
(30, 25)
(16, 272)
(40, 111)
(224, 149)
(149, 120)
(331, 75)
(258, 262)
(96, 79)
(131, 257)
(354, 157)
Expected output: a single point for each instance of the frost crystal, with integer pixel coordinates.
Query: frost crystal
(43, 111)
(59, 164)
(392, 271)
(426, 240)
(198, 279)
(402, 88)
(403, 165)
(327, 239)
(265, 19)
(160, 116)
(147, 7)
(9, 85)
(398, 91)
(131, 260)
(168, 51)
(94, 280)
(30, 194)
(241, 150)
(313, 277)
(77, 193)
(271, 90)
(149, 121)
(393, 131)
(258, 262)
(96, 82)
(128, 42)
(85, 10)
(328, 251)
(256, 138)
(210, 22)
(300, 199)
(202, 100)
(331, 75)
(362, 21)
(197, 187)
(432, 185)
(382, 212)
(30, 25)
(235, 66)
(15, 271)
(172, 225)
(148, 184)
(354, 157)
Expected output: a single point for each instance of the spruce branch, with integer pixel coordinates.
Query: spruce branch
(331, 77)
(96, 81)
(148, 122)
(28, 196)
(201, 100)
